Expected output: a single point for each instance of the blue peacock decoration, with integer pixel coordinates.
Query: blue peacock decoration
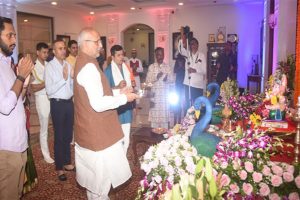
(204, 142)
(214, 90)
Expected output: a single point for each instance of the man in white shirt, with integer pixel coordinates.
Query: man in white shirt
(136, 67)
(195, 69)
(99, 155)
(59, 87)
(41, 99)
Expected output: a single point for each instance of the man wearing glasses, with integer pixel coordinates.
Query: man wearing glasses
(99, 155)
(13, 134)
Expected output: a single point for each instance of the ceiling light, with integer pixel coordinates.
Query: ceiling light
(92, 13)
(25, 20)
(137, 29)
(132, 8)
(54, 3)
(180, 3)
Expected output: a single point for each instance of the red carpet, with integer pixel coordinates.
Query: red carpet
(49, 187)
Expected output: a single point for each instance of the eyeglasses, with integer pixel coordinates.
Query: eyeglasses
(11, 35)
(95, 41)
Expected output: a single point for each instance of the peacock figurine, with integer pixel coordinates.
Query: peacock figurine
(204, 142)
(213, 90)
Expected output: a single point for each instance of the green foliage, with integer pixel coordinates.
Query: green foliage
(202, 185)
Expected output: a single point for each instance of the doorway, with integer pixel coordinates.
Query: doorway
(141, 38)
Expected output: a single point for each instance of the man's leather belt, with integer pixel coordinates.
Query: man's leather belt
(61, 100)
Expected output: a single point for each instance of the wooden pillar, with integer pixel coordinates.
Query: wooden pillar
(297, 71)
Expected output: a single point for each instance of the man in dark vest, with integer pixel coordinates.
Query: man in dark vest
(99, 156)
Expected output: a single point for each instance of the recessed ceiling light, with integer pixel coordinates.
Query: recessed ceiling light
(132, 8)
(54, 3)
(25, 20)
(137, 29)
(180, 3)
(92, 13)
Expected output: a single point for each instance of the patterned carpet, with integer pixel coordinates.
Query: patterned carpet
(49, 187)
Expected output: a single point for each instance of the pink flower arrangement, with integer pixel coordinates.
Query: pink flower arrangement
(243, 106)
(251, 173)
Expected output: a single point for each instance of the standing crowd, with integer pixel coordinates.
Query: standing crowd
(91, 103)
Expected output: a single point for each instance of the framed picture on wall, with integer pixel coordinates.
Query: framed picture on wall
(211, 38)
(65, 38)
(175, 39)
(103, 41)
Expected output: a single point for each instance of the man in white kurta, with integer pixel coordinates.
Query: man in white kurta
(136, 67)
(160, 75)
(99, 164)
(41, 99)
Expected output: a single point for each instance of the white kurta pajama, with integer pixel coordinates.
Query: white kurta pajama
(98, 170)
(118, 77)
(43, 107)
(159, 114)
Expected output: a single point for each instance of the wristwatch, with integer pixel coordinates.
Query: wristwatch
(21, 78)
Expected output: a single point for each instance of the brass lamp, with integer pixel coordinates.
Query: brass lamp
(296, 118)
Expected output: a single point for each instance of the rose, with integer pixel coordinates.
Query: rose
(264, 189)
(224, 165)
(249, 166)
(243, 175)
(236, 164)
(225, 180)
(288, 177)
(257, 177)
(276, 180)
(290, 169)
(294, 196)
(247, 187)
(297, 181)
(266, 171)
(277, 170)
(274, 196)
(234, 188)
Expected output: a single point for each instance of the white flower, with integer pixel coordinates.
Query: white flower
(178, 161)
(157, 179)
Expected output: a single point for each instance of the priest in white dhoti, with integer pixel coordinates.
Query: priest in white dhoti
(99, 156)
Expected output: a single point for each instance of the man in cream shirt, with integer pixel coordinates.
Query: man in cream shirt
(41, 99)
(73, 51)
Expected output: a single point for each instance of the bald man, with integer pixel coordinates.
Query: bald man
(99, 156)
